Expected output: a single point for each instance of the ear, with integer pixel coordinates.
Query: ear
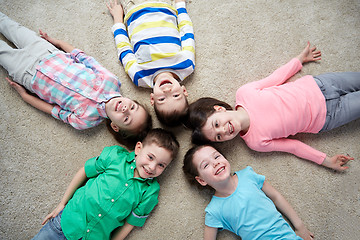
(201, 181)
(114, 127)
(219, 108)
(185, 91)
(138, 148)
(152, 101)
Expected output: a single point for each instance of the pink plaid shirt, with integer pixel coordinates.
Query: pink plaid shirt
(77, 85)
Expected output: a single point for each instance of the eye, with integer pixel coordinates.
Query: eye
(150, 157)
(161, 99)
(132, 107)
(216, 124)
(126, 119)
(217, 156)
(161, 165)
(206, 165)
(176, 95)
(218, 137)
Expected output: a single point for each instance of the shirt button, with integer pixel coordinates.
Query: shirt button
(88, 230)
(99, 215)
(126, 184)
(132, 167)
(112, 200)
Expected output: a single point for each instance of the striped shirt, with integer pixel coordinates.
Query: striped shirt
(77, 85)
(157, 38)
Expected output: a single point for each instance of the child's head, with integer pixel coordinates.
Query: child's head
(199, 112)
(169, 99)
(205, 165)
(155, 152)
(129, 121)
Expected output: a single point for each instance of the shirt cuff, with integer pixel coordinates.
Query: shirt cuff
(136, 220)
(180, 5)
(116, 26)
(55, 112)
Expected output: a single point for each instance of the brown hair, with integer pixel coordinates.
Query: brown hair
(130, 138)
(163, 138)
(199, 111)
(190, 169)
(173, 118)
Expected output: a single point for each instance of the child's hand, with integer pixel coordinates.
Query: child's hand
(309, 54)
(20, 89)
(304, 233)
(116, 11)
(51, 40)
(337, 162)
(54, 213)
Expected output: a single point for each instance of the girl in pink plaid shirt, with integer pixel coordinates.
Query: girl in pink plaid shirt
(71, 86)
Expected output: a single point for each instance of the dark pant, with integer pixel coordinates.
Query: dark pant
(342, 94)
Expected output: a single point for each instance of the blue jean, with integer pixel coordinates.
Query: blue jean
(51, 230)
(342, 94)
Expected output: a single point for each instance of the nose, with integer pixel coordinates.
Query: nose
(215, 164)
(124, 108)
(151, 166)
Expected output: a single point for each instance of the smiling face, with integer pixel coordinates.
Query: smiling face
(125, 114)
(151, 160)
(222, 125)
(212, 167)
(168, 94)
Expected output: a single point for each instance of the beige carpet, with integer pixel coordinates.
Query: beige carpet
(236, 42)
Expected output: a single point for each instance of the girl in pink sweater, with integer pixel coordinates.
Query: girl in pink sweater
(270, 110)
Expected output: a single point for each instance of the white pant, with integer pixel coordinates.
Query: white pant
(21, 62)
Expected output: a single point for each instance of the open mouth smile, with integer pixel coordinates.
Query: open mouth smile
(117, 106)
(220, 170)
(231, 128)
(165, 82)
(147, 172)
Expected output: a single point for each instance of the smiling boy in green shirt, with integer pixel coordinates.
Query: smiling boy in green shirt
(120, 191)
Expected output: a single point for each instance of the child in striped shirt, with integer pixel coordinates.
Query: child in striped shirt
(156, 46)
(71, 86)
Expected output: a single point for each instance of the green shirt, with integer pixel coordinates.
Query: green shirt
(111, 196)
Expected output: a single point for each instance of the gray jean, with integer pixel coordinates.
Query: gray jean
(21, 62)
(342, 94)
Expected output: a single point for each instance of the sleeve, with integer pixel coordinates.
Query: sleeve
(185, 27)
(125, 50)
(74, 120)
(256, 178)
(295, 147)
(280, 75)
(149, 200)
(90, 62)
(95, 166)
(211, 220)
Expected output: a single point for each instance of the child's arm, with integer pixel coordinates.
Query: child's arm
(285, 208)
(57, 43)
(288, 70)
(186, 29)
(123, 232)
(210, 233)
(76, 182)
(30, 99)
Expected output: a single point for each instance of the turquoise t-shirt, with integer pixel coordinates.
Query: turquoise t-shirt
(248, 212)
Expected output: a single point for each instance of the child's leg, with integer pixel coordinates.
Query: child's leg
(21, 36)
(21, 63)
(342, 94)
(51, 230)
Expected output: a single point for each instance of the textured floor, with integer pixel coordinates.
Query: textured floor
(236, 42)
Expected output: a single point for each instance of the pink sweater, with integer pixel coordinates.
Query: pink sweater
(278, 110)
